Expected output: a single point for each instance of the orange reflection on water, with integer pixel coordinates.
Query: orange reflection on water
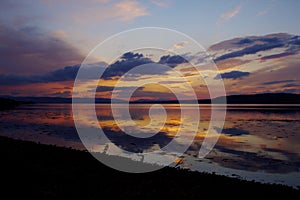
(252, 138)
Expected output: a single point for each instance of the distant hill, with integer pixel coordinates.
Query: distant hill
(265, 98)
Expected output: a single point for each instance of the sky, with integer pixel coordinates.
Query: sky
(43, 43)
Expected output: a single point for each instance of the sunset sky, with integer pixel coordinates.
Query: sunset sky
(253, 43)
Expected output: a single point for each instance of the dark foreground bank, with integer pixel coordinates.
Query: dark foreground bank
(47, 172)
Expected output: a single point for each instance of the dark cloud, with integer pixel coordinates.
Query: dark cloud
(295, 40)
(286, 91)
(131, 60)
(256, 44)
(269, 39)
(279, 55)
(131, 56)
(261, 39)
(232, 131)
(104, 89)
(232, 75)
(276, 82)
(291, 85)
(172, 61)
(127, 62)
(65, 74)
(250, 50)
(61, 94)
(244, 41)
(30, 50)
(111, 88)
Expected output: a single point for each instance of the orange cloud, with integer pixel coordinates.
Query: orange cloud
(129, 10)
(98, 12)
(55, 89)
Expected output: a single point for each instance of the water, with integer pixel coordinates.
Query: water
(258, 142)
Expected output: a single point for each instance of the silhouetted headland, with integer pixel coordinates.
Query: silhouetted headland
(6, 103)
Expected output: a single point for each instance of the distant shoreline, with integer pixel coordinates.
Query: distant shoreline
(265, 98)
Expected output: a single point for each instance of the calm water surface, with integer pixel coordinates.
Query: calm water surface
(257, 142)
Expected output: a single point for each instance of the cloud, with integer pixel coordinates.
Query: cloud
(65, 74)
(232, 131)
(276, 82)
(60, 75)
(231, 63)
(95, 11)
(265, 11)
(29, 50)
(295, 40)
(104, 89)
(120, 88)
(127, 62)
(238, 43)
(293, 91)
(292, 42)
(65, 94)
(131, 56)
(71, 11)
(232, 75)
(290, 85)
(271, 44)
(128, 10)
(172, 61)
(232, 13)
(131, 60)
(229, 15)
(180, 45)
(244, 41)
(279, 55)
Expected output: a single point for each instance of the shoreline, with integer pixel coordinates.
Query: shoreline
(47, 171)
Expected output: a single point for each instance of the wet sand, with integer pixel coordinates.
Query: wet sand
(37, 171)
